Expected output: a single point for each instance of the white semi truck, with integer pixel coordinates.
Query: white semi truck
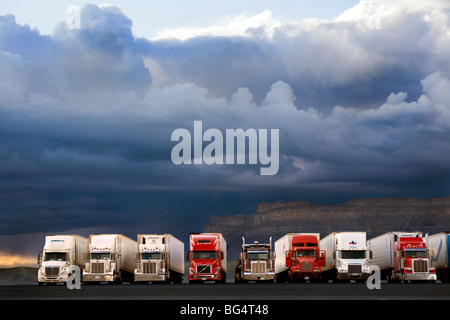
(110, 259)
(440, 256)
(160, 258)
(60, 254)
(347, 256)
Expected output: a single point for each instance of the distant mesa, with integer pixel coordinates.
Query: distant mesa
(375, 216)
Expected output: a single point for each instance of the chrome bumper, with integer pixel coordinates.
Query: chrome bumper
(98, 278)
(139, 277)
(256, 277)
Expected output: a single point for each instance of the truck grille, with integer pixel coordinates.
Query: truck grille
(97, 267)
(149, 267)
(51, 271)
(354, 268)
(420, 266)
(306, 266)
(204, 269)
(259, 267)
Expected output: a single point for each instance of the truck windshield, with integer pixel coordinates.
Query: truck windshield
(55, 256)
(416, 254)
(305, 253)
(152, 256)
(100, 256)
(204, 255)
(258, 256)
(353, 254)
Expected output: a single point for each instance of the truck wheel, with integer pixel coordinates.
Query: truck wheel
(178, 278)
(195, 281)
(335, 277)
(223, 278)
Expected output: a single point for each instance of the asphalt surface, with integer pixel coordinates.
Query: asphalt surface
(230, 292)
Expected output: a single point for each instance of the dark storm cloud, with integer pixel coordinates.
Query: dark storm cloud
(86, 118)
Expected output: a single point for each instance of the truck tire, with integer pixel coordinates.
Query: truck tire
(223, 277)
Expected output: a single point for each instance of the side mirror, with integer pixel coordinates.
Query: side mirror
(39, 259)
(322, 255)
(222, 256)
(188, 255)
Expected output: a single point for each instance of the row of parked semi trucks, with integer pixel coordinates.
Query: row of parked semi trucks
(400, 256)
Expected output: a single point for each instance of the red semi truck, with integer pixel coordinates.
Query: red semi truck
(207, 258)
(402, 256)
(297, 257)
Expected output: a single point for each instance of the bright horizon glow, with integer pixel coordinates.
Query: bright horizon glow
(8, 260)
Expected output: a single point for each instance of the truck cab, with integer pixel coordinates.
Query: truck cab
(54, 267)
(207, 258)
(352, 257)
(411, 259)
(101, 266)
(304, 258)
(257, 262)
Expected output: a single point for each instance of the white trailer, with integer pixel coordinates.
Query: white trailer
(438, 246)
(347, 256)
(111, 259)
(282, 247)
(401, 256)
(160, 258)
(60, 254)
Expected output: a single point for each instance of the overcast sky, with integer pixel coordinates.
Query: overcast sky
(358, 91)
